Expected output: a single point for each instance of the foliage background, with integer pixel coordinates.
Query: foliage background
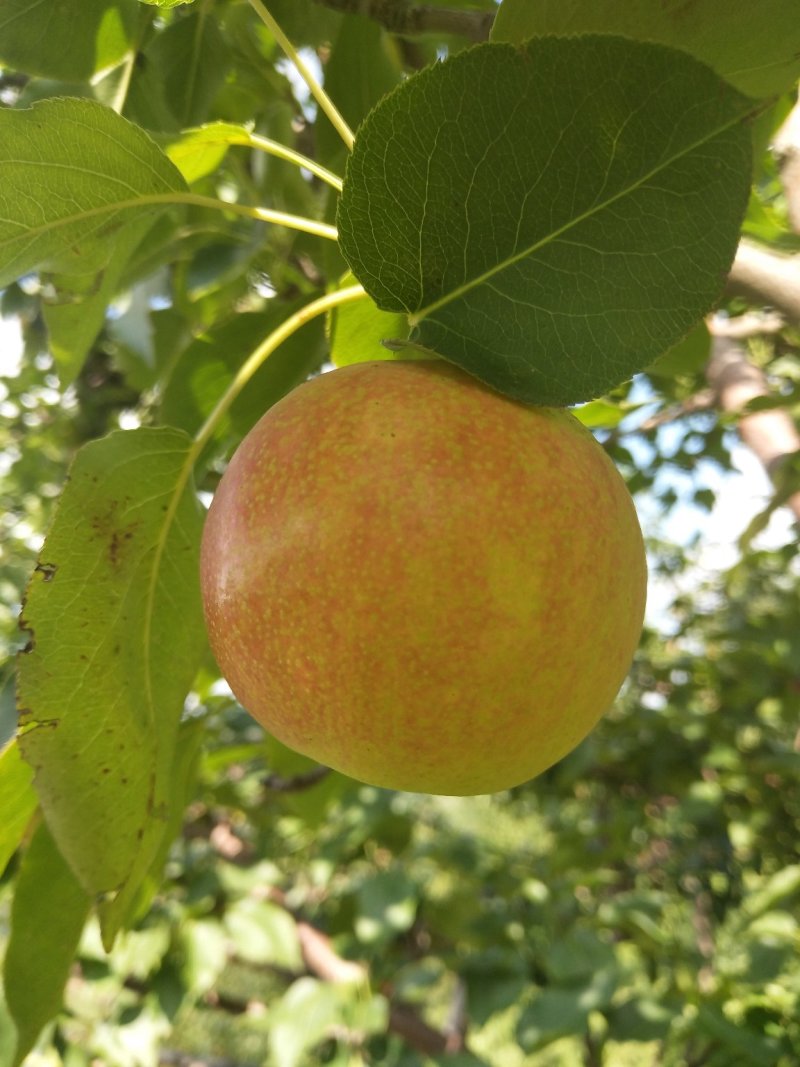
(637, 904)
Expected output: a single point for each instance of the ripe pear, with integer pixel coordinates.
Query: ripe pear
(421, 583)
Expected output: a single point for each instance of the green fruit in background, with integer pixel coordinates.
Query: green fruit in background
(421, 583)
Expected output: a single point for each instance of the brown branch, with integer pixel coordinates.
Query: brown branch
(176, 1058)
(406, 1023)
(702, 401)
(276, 783)
(771, 435)
(767, 278)
(321, 959)
(787, 149)
(407, 19)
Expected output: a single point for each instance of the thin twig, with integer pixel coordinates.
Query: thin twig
(701, 401)
(276, 783)
(316, 90)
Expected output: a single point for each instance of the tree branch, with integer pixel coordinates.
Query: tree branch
(767, 278)
(276, 783)
(787, 149)
(771, 435)
(404, 18)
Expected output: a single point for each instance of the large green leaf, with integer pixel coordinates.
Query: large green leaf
(559, 230)
(17, 801)
(755, 47)
(65, 41)
(116, 633)
(72, 172)
(47, 915)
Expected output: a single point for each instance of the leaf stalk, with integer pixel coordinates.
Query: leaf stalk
(265, 349)
(316, 90)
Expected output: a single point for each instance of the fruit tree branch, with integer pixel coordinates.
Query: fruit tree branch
(787, 149)
(772, 434)
(767, 278)
(297, 783)
(402, 17)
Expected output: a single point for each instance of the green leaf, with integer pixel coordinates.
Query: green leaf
(756, 47)
(642, 1018)
(48, 912)
(558, 1012)
(687, 357)
(759, 1050)
(73, 173)
(359, 328)
(8, 1032)
(198, 152)
(601, 414)
(122, 910)
(387, 906)
(264, 933)
(192, 58)
(783, 885)
(17, 801)
(302, 1018)
(205, 954)
(116, 625)
(554, 235)
(70, 42)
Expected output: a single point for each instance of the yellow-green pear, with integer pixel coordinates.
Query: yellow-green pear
(421, 583)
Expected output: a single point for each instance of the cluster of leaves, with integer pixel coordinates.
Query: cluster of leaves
(633, 906)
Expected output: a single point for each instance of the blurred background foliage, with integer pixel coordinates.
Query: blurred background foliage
(635, 906)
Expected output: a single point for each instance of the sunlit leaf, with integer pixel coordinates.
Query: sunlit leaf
(47, 916)
(198, 152)
(264, 933)
(73, 172)
(302, 1018)
(17, 801)
(116, 635)
(555, 233)
(358, 329)
(387, 906)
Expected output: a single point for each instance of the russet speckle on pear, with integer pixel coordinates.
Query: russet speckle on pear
(420, 583)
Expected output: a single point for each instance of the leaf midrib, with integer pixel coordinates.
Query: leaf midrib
(414, 319)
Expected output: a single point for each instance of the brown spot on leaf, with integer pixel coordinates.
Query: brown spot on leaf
(117, 536)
